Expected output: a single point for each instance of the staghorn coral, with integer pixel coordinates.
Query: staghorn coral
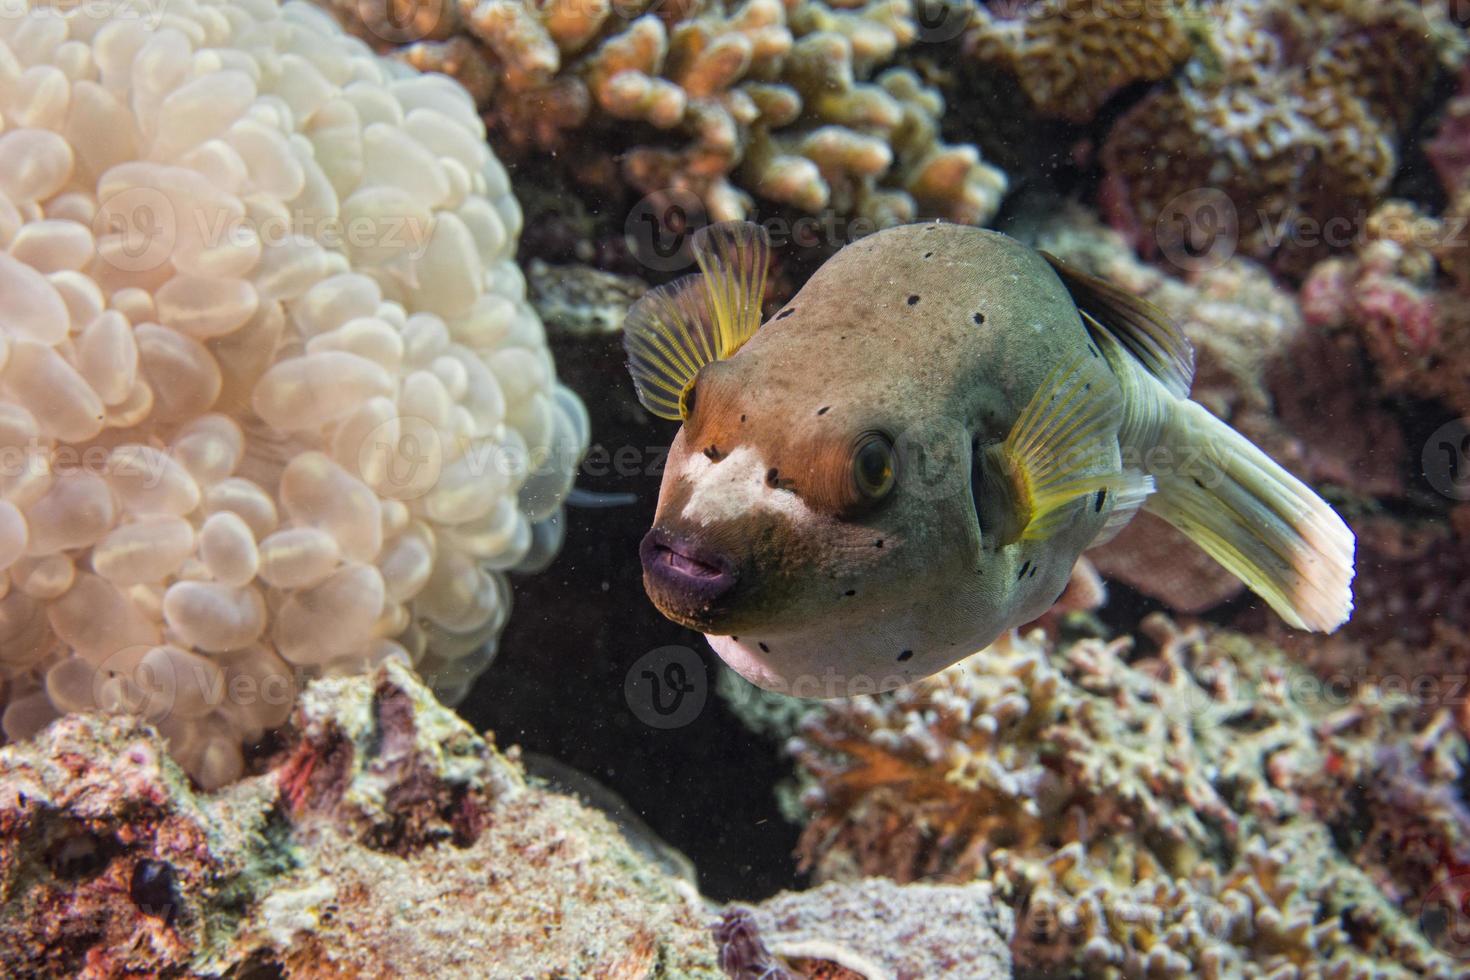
(1179, 815)
(724, 102)
(1070, 58)
(273, 402)
(1294, 110)
(387, 840)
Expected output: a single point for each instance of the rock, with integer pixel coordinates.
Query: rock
(386, 839)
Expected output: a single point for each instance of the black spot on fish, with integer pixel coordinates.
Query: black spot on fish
(979, 319)
(742, 418)
(1025, 567)
(913, 299)
(878, 543)
(764, 648)
(1097, 502)
(824, 409)
(785, 313)
(1093, 351)
(850, 592)
(714, 454)
(773, 477)
(904, 655)
(1034, 570)
(735, 638)
(1087, 387)
(1197, 483)
(928, 255)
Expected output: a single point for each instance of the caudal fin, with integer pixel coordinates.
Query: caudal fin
(1253, 517)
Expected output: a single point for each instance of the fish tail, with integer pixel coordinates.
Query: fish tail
(1260, 522)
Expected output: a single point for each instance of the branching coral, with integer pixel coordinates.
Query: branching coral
(273, 401)
(782, 101)
(1295, 111)
(1158, 818)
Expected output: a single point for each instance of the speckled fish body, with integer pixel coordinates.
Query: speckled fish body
(941, 342)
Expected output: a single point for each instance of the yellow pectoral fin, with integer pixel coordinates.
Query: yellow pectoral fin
(675, 330)
(1059, 452)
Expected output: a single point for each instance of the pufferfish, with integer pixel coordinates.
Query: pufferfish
(907, 460)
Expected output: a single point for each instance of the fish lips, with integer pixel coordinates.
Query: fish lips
(686, 580)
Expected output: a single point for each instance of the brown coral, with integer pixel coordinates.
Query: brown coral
(1071, 57)
(1296, 116)
(720, 100)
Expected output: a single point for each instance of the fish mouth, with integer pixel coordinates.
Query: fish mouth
(683, 578)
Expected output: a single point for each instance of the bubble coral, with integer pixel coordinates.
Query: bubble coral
(273, 402)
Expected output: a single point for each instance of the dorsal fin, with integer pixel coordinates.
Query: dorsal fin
(674, 330)
(1141, 328)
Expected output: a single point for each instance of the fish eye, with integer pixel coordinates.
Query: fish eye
(873, 466)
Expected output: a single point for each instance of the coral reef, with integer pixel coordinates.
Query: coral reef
(798, 104)
(1294, 110)
(388, 840)
(1071, 58)
(1204, 808)
(273, 402)
(870, 928)
(1389, 296)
